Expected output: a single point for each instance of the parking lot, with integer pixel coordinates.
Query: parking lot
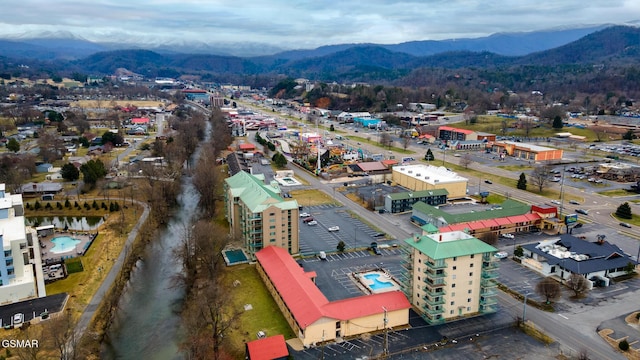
(316, 238)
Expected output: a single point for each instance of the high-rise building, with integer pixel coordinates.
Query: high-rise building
(453, 276)
(259, 215)
(21, 275)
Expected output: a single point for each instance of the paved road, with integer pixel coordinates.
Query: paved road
(89, 311)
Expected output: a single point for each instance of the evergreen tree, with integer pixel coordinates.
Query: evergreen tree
(13, 145)
(429, 155)
(70, 172)
(557, 122)
(67, 203)
(522, 182)
(624, 211)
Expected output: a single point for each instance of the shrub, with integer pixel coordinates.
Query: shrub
(623, 345)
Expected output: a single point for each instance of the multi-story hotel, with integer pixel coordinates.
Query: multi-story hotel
(259, 215)
(453, 276)
(21, 275)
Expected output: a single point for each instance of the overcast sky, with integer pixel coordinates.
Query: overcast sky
(304, 24)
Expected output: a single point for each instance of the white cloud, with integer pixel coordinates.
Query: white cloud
(300, 23)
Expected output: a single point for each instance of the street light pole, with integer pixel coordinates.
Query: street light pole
(524, 308)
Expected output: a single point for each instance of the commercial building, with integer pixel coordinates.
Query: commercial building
(453, 276)
(315, 319)
(404, 201)
(527, 152)
(426, 177)
(564, 255)
(21, 276)
(259, 215)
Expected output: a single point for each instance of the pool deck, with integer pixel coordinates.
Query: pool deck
(46, 245)
(383, 277)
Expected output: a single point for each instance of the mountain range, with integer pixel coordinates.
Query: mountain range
(584, 46)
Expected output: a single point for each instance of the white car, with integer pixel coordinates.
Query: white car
(508, 236)
(305, 214)
(556, 202)
(18, 319)
(313, 222)
(501, 254)
(334, 228)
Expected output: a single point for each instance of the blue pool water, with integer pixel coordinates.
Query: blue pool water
(235, 256)
(377, 284)
(63, 244)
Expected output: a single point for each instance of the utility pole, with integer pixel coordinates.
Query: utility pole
(524, 308)
(322, 347)
(562, 198)
(385, 346)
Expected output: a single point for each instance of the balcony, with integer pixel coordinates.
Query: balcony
(488, 301)
(488, 292)
(434, 292)
(488, 283)
(432, 311)
(435, 274)
(433, 284)
(490, 265)
(433, 319)
(432, 300)
(440, 264)
(489, 274)
(486, 309)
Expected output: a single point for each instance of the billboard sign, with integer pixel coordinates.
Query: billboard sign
(570, 219)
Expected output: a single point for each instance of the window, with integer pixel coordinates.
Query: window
(453, 303)
(453, 294)
(471, 256)
(337, 324)
(470, 282)
(469, 300)
(471, 265)
(471, 273)
(468, 308)
(455, 258)
(453, 276)
(7, 253)
(451, 312)
(454, 267)
(23, 246)
(418, 276)
(10, 271)
(453, 285)
(469, 291)
(272, 227)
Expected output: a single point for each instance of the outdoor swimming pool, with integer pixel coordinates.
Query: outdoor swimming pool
(63, 244)
(234, 257)
(377, 281)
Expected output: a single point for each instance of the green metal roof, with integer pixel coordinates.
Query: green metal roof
(255, 194)
(447, 249)
(429, 228)
(509, 208)
(417, 194)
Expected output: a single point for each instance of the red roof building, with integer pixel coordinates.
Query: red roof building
(140, 121)
(311, 315)
(506, 224)
(270, 348)
(245, 147)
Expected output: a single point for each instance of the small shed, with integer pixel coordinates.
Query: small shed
(45, 230)
(268, 348)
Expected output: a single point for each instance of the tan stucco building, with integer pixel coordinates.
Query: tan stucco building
(426, 177)
(453, 276)
(257, 213)
(315, 319)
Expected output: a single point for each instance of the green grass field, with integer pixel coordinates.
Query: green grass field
(264, 315)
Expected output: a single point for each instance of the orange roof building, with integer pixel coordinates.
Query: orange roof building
(312, 316)
(269, 348)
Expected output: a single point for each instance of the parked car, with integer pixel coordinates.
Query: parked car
(488, 182)
(501, 254)
(508, 236)
(555, 202)
(307, 219)
(582, 211)
(334, 228)
(18, 319)
(578, 226)
(627, 225)
(574, 202)
(305, 215)
(312, 222)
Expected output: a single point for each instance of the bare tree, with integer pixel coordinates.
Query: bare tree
(578, 284)
(30, 333)
(207, 181)
(385, 138)
(540, 177)
(405, 142)
(549, 289)
(51, 146)
(62, 335)
(466, 160)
